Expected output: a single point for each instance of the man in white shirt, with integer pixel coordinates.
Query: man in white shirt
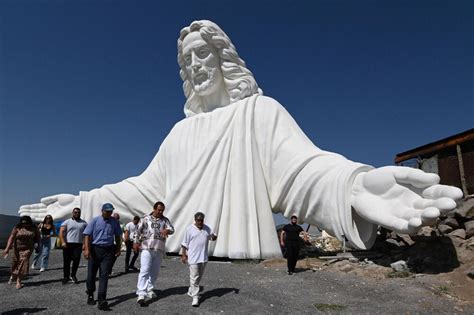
(195, 253)
(70, 234)
(128, 237)
(152, 232)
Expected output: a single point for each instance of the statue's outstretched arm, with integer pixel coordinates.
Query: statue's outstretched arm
(345, 198)
(132, 196)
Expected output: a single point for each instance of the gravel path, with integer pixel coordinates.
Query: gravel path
(241, 287)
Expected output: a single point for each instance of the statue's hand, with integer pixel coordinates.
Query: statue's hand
(401, 198)
(59, 206)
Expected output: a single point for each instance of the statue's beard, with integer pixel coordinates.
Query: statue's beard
(204, 81)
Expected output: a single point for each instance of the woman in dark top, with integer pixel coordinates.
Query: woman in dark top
(22, 239)
(46, 230)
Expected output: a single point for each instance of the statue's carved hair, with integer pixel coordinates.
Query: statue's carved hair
(239, 81)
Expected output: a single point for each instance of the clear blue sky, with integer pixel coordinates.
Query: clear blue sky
(89, 89)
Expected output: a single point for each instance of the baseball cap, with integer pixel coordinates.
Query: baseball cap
(107, 207)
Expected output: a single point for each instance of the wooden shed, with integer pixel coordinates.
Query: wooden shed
(451, 158)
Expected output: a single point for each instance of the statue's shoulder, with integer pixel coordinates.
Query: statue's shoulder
(263, 100)
(268, 107)
(179, 124)
(175, 130)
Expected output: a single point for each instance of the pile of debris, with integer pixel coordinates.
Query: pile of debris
(436, 249)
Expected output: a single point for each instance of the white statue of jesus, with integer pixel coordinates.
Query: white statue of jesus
(238, 156)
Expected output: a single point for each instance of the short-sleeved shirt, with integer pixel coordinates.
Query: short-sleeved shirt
(73, 230)
(292, 234)
(149, 232)
(103, 231)
(132, 230)
(196, 242)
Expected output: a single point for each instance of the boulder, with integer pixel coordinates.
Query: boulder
(465, 209)
(346, 268)
(400, 266)
(470, 274)
(425, 231)
(460, 233)
(393, 242)
(469, 228)
(470, 243)
(445, 229)
(452, 222)
(405, 238)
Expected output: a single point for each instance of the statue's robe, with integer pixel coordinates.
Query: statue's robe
(237, 165)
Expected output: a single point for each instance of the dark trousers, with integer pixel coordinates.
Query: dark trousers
(71, 253)
(100, 259)
(112, 264)
(128, 264)
(292, 252)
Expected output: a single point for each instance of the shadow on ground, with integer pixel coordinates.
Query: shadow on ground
(429, 254)
(121, 298)
(24, 311)
(425, 254)
(4, 274)
(218, 292)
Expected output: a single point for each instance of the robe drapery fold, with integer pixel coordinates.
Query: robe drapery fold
(238, 164)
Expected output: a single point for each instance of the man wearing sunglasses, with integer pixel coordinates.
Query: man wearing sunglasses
(72, 239)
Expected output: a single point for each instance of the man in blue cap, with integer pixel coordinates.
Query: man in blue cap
(102, 242)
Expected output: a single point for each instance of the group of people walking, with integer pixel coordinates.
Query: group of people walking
(100, 240)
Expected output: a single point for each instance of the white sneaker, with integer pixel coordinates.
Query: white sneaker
(42, 269)
(141, 299)
(195, 302)
(33, 266)
(150, 295)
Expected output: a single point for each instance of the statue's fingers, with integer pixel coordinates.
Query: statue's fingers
(443, 204)
(414, 177)
(65, 199)
(34, 206)
(413, 216)
(33, 212)
(401, 226)
(414, 223)
(50, 199)
(429, 215)
(442, 191)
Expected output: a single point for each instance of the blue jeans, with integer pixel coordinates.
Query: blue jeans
(100, 259)
(43, 252)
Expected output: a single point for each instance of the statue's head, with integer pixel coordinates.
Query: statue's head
(209, 62)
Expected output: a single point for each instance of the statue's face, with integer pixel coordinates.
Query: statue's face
(202, 65)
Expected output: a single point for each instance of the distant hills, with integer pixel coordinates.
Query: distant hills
(7, 222)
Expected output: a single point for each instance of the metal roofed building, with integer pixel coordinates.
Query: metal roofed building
(451, 158)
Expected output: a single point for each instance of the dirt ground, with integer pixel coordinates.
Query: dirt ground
(248, 287)
(453, 284)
